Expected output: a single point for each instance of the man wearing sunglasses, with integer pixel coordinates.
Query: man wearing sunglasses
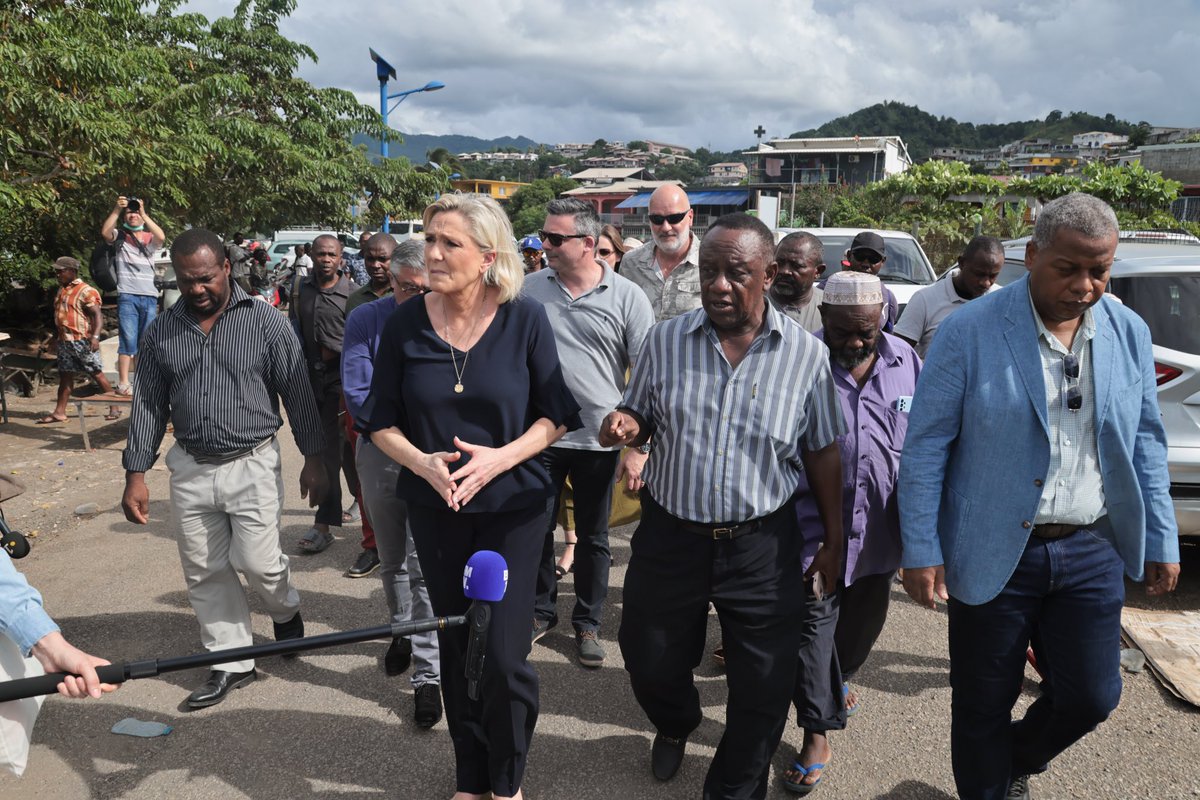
(667, 269)
(1033, 479)
(403, 582)
(599, 320)
(868, 254)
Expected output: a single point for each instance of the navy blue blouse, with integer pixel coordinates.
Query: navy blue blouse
(512, 379)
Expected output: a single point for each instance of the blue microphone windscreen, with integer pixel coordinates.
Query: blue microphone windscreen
(485, 577)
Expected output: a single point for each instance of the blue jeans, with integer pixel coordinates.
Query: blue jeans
(1066, 597)
(135, 312)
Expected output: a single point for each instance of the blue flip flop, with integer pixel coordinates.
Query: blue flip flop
(799, 787)
(852, 710)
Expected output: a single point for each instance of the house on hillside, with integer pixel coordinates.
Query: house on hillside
(501, 191)
(848, 160)
(1097, 140)
(597, 176)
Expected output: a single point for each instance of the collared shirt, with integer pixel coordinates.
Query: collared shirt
(808, 314)
(70, 310)
(356, 268)
(221, 390)
(365, 294)
(870, 462)
(599, 336)
(364, 326)
(727, 442)
(322, 315)
(22, 618)
(1073, 493)
(679, 292)
(928, 308)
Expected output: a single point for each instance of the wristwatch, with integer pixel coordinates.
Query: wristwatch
(644, 449)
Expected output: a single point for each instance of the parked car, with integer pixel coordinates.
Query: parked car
(906, 270)
(1161, 283)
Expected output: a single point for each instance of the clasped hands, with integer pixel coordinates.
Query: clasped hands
(459, 487)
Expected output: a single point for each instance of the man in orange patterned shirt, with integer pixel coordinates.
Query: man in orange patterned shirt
(77, 317)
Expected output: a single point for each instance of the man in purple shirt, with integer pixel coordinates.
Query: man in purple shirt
(875, 374)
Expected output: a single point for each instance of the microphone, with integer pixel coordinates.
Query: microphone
(13, 542)
(485, 579)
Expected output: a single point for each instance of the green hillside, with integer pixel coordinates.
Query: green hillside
(923, 131)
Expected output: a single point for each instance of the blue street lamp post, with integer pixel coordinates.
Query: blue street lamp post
(385, 71)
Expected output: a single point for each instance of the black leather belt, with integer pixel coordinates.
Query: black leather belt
(225, 458)
(722, 530)
(1052, 530)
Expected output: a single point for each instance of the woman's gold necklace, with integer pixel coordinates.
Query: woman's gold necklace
(458, 373)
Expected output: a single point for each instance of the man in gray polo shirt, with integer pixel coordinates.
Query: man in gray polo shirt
(978, 267)
(599, 321)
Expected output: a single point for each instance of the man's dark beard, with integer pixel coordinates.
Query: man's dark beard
(849, 359)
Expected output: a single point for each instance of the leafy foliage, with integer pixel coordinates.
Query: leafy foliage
(928, 201)
(527, 208)
(204, 121)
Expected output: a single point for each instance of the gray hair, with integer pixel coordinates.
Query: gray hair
(587, 222)
(1078, 212)
(409, 253)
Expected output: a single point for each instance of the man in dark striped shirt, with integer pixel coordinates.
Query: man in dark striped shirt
(738, 400)
(216, 365)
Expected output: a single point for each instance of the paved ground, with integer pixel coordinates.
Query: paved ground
(331, 725)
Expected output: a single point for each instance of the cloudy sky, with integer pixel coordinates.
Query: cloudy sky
(706, 72)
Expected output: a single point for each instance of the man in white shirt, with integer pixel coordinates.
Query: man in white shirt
(975, 276)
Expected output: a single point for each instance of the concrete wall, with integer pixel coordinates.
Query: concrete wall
(1179, 162)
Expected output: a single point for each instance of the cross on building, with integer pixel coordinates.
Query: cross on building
(759, 132)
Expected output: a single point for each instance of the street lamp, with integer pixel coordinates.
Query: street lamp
(385, 71)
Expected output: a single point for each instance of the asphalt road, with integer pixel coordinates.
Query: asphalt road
(332, 725)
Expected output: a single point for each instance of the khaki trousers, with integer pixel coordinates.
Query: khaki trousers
(228, 520)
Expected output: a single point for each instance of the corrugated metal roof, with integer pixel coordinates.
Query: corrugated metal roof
(726, 198)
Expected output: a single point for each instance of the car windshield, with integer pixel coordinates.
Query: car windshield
(904, 262)
(1170, 305)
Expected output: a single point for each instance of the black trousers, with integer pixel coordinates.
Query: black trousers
(754, 582)
(491, 735)
(591, 473)
(863, 614)
(818, 690)
(329, 399)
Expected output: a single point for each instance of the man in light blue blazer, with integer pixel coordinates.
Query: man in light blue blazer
(1033, 477)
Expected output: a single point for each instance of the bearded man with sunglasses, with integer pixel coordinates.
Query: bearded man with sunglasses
(667, 268)
(1033, 479)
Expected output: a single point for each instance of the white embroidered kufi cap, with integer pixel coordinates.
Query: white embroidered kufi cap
(847, 288)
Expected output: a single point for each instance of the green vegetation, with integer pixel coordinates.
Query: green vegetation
(204, 120)
(929, 200)
(922, 131)
(527, 208)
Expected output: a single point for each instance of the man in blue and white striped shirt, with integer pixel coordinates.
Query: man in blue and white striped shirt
(738, 400)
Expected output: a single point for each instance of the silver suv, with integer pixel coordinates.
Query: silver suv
(1161, 282)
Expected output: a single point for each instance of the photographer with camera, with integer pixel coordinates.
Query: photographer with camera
(139, 237)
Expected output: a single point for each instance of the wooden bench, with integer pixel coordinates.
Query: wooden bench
(103, 399)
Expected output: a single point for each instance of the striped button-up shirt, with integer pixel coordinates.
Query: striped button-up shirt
(221, 390)
(1073, 493)
(727, 442)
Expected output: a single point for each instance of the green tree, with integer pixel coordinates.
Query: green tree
(448, 161)
(527, 208)
(598, 148)
(205, 120)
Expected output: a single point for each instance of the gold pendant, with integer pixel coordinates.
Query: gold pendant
(458, 388)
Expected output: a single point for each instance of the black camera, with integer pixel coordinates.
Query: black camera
(133, 204)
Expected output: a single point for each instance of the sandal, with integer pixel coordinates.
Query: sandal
(113, 413)
(50, 419)
(799, 786)
(313, 541)
(124, 389)
(851, 710)
(560, 571)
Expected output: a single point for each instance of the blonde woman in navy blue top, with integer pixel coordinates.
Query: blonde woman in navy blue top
(467, 390)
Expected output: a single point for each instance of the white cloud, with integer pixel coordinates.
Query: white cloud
(707, 72)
